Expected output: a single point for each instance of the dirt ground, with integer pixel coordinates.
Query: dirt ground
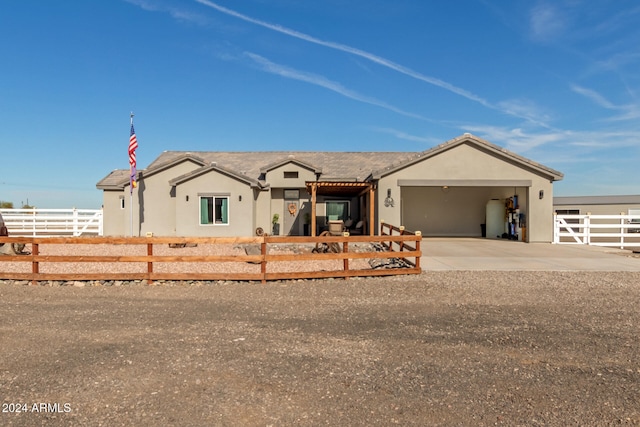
(442, 348)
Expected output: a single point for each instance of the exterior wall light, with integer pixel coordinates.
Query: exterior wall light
(541, 194)
(388, 201)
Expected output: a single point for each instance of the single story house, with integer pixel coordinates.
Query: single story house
(464, 187)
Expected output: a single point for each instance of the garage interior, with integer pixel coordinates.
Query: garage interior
(449, 210)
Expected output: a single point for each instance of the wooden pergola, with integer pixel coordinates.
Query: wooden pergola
(345, 189)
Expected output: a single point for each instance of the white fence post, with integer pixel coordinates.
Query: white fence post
(75, 222)
(587, 228)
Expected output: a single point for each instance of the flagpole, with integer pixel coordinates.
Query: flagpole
(131, 189)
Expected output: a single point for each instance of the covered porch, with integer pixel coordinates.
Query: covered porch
(363, 191)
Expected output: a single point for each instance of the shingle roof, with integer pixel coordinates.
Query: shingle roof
(115, 180)
(335, 166)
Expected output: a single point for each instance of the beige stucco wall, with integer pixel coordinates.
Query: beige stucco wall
(466, 166)
(275, 177)
(278, 183)
(153, 205)
(241, 206)
(157, 203)
(114, 223)
(262, 213)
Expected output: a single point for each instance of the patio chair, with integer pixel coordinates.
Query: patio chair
(358, 229)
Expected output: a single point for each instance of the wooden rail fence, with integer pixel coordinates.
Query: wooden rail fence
(409, 245)
(388, 230)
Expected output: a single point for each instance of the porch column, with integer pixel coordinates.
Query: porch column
(313, 209)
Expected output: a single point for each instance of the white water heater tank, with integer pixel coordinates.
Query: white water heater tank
(495, 218)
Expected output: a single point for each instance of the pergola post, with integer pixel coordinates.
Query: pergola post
(313, 209)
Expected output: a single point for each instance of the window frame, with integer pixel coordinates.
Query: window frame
(212, 205)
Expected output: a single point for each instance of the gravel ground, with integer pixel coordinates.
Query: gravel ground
(443, 348)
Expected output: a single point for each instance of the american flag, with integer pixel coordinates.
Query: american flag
(133, 144)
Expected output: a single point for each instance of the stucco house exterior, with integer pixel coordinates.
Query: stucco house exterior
(444, 191)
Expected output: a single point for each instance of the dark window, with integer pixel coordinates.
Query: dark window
(293, 174)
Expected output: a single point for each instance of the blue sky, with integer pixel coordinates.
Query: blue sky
(555, 81)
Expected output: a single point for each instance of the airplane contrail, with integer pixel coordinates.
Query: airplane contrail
(317, 80)
(354, 51)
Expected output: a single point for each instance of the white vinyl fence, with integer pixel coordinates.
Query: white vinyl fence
(53, 222)
(620, 231)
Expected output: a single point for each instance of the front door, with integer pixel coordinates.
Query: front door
(291, 209)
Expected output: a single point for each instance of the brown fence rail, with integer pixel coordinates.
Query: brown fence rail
(263, 265)
(388, 230)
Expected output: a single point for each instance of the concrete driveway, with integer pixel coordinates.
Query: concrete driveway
(493, 254)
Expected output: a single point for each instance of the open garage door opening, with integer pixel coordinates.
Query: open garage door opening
(462, 211)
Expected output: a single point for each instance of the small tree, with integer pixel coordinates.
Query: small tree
(6, 205)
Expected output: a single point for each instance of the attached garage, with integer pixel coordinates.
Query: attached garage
(454, 210)
(452, 190)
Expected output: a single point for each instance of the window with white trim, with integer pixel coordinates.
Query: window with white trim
(214, 210)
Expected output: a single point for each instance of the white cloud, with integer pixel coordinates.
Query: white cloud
(546, 22)
(408, 137)
(177, 13)
(516, 139)
(593, 96)
(526, 109)
(627, 112)
(318, 80)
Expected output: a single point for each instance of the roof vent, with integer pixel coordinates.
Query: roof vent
(291, 156)
(214, 163)
(467, 134)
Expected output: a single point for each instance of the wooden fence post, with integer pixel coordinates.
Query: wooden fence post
(35, 266)
(149, 264)
(419, 235)
(263, 262)
(345, 249)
